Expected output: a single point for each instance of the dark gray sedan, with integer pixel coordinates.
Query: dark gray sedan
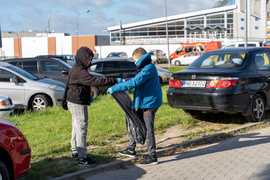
(228, 80)
(52, 68)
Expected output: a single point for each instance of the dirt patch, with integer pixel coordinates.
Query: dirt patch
(175, 135)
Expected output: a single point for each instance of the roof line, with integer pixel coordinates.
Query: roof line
(171, 18)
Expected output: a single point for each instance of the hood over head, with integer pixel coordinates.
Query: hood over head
(143, 61)
(83, 56)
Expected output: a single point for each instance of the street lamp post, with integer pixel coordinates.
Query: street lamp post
(19, 49)
(86, 11)
(167, 35)
(246, 23)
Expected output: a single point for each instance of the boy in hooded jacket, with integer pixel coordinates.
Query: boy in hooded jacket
(78, 98)
(147, 99)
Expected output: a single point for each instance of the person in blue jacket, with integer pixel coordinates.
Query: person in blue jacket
(147, 99)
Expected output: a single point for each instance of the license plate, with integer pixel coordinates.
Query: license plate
(194, 83)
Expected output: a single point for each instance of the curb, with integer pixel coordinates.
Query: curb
(80, 175)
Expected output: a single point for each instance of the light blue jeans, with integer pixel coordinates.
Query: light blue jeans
(79, 128)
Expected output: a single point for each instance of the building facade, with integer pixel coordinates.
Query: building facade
(20, 45)
(224, 22)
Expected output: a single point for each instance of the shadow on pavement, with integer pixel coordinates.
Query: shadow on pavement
(235, 143)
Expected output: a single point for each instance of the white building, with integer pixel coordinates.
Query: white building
(224, 22)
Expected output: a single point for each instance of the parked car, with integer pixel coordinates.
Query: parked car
(114, 67)
(6, 106)
(242, 44)
(117, 54)
(196, 46)
(266, 44)
(50, 68)
(227, 80)
(164, 75)
(15, 151)
(186, 59)
(27, 90)
(123, 68)
(158, 56)
(67, 58)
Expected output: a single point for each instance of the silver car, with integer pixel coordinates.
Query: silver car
(6, 106)
(29, 91)
(158, 56)
(164, 75)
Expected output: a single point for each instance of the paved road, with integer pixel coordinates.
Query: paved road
(240, 158)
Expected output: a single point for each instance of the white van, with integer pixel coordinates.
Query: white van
(242, 44)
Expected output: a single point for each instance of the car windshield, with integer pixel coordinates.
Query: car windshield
(180, 49)
(22, 72)
(222, 60)
(112, 55)
(65, 64)
(70, 57)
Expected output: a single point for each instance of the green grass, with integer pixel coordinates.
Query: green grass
(175, 69)
(49, 131)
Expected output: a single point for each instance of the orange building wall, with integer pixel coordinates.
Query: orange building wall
(88, 41)
(51, 46)
(17, 48)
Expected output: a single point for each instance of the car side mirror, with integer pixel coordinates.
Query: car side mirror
(13, 80)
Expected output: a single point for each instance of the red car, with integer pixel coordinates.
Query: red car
(267, 44)
(15, 153)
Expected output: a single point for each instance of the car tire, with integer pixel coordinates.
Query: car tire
(3, 171)
(160, 80)
(94, 92)
(193, 113)
(177, 63)
(257, 109)
(39, 102)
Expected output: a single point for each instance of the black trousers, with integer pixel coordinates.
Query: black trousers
(148, 115)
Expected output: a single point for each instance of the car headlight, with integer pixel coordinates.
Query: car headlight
(58, 88)
(6, 102)
(3, 103)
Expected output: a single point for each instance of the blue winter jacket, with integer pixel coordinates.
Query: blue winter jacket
(147, 93)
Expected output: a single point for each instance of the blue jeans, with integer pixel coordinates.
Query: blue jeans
(148, 115)
(79, 128)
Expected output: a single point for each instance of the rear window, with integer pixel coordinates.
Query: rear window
(128, 65)
(248, 45)
(30, 66)
(111, 66)
(222, 60)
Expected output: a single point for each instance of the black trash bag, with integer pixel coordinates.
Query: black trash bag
(134, 125)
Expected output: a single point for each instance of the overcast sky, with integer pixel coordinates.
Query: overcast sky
(24, 15)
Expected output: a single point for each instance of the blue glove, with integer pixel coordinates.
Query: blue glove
(109, 91)
(119, 80)
(92, 100)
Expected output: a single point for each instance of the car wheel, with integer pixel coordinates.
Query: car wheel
(159, 61)
(39, 102)
(160, 80)
(177, 63)
(94, 92)
(192, 113)
(257, 109)
(3, 171)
